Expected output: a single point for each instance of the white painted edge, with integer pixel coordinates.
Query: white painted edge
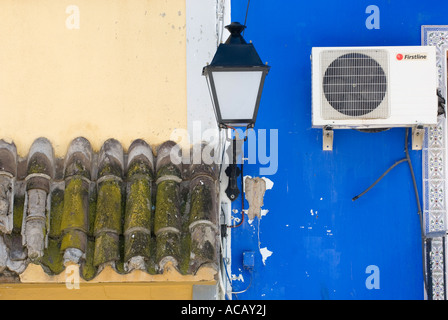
(202, 24)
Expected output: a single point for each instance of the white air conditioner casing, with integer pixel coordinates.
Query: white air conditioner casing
(374, 87)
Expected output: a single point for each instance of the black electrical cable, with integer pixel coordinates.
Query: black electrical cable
(408, 160)
(247, 11)
(417, 197)
(379, 179)
(422, 232)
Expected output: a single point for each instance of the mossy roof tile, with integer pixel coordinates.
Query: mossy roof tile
(128, 209)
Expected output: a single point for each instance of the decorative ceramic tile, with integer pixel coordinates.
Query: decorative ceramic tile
(436, 267)
(435, 221)
(435, 136)
(434, 153)
(437, 195)
(438, 289)
(436, 256)
(436, 163)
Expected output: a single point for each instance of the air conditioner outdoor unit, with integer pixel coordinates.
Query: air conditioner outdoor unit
(374, 87)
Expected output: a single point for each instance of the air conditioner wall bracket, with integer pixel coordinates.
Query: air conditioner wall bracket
(327, 138)
(418, 132)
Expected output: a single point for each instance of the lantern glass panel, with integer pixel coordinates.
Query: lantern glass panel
(237, 93)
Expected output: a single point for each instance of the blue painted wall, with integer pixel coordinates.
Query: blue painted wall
(325, 255)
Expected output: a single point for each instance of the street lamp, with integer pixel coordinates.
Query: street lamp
(235, 78)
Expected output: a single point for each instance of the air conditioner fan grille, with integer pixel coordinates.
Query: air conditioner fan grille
(355, 85)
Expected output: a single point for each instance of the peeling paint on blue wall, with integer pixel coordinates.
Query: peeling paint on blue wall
(313, 241)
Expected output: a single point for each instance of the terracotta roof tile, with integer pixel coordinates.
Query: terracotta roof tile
(126, 210)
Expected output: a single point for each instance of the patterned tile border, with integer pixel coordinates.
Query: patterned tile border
(434, 175)
(435, 257)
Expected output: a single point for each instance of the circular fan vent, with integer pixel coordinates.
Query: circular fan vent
(354, 84)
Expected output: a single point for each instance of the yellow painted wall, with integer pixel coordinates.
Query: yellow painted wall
(102, 291)
(122, 74)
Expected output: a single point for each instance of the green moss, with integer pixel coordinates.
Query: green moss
(139, 167)
(77, 167)
(108, 223)
(119, 264)
(74, 239)
(202, 246)
(53, 258)
(137, 244)
(109, 207)
(203, 251)
(153, 208)
(36, 166)
(106, 249)
(88, 270)
(19, 203)
(110, 167)
(169, 170)
(185, 240)
(201, 203)
(119, 267)
(185, 200)
(75, 205)
(151, 263)
(167, 206)
(168, 244)
(138, 205)
(57, 208)
(92, 211)
(184, 262)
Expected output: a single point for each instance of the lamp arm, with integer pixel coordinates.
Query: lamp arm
(233, 173)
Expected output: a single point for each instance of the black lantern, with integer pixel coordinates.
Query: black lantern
(235, 78)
